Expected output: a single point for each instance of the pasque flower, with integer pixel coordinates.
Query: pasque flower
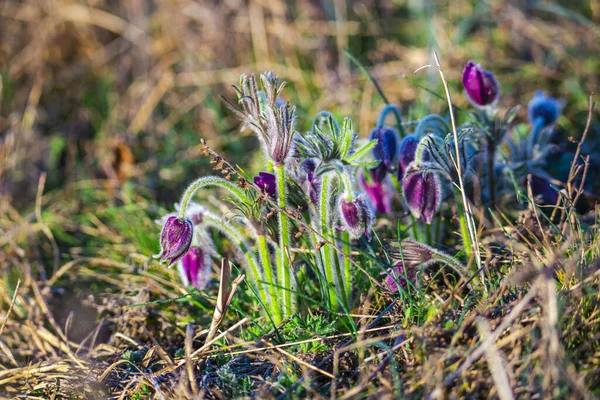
(267, 183)
(175, 239)
(378, 193)
(481, 86)
(541, 187)
(422, 191)
(385, 150)
(194, 268)
(356, 217)
(543, 110)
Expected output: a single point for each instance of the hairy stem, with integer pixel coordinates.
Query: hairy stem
(242, 248)
(345, 237)
(284, 270)
(462, 221)
(209, 181)
(263, 251)
(391, 108)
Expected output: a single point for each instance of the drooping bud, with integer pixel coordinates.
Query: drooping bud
(409, 257)
(378, 193)
(267, 183)
(175, 239)
(543, 110)
(481, 86)
(408, 149)
(385, 150)
(422, 191)
(194, 268)
(542, 188)
(356, 217)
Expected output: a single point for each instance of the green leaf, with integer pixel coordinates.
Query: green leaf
(347, 136)
(361, 152)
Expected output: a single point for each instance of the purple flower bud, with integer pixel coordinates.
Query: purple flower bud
(395, 276)
(422, 191)
(194, 268)
(543, 110)
(175, 239)
(356, 217)
(267, 184)
(541, 187)
(408, 257)
(481, 86)
(386, 148)
(311, 180)
(378, 193)
(408, 150)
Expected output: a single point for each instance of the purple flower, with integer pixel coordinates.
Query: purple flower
(356, 217)
(481, 86)
(175, 239)
(422, 191)
(543, 110)
(408, 150)
(267, 184)
(378, 193)
(194, 268)
(395, 276)
(385, 150)
(541, 187)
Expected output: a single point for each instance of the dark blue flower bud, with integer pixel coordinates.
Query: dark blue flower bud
(386, 148)
(542, 188)
(543, 110)
(175, 239)
(481, 86)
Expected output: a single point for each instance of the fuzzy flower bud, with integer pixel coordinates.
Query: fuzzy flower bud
(408, 150)
(481, 86)
(542, 188)
(175, 239)
(378, 193)
(543, 110)
(356, 217)
(267, 184)
(422, 191)
(385, 150)
(194, 268)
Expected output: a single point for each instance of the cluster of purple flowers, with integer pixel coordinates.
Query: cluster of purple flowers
(319, 171)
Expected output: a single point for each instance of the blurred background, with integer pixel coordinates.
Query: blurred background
(116, 95)
(103, 104)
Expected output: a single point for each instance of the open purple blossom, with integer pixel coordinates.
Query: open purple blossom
(543, 110)
(378, 193)
(175, 239)
(356, 217)
(267, 184)
(422, 191)
(194, 268)
(385, 150)
(481, 86)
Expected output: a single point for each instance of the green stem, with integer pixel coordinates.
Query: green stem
(237, 240)
(263, 251)
(347, 266)
(209, 181)
(462, 221)
(332, 270)
(284, 270)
